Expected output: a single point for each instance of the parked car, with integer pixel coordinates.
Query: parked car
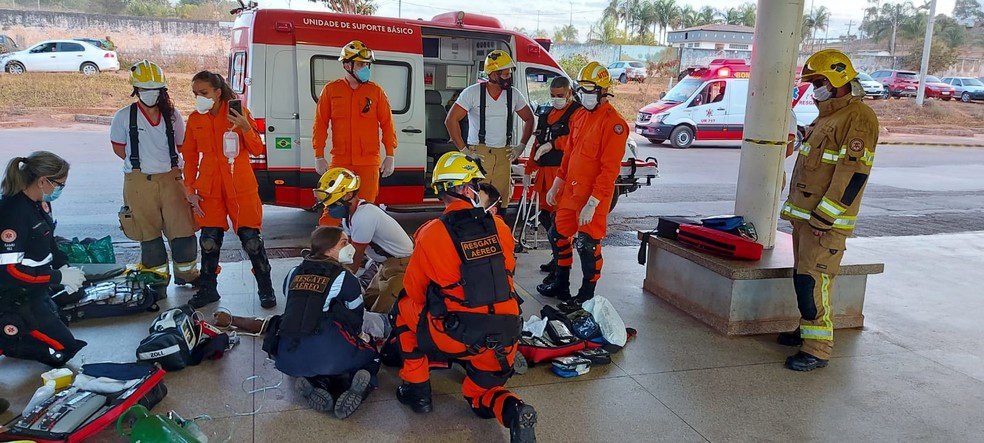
(872, 89)
(935, 88)
(898, 83)
(625, 71)
(60, 56)
(8, 44)
(97, 42)
(967, 88)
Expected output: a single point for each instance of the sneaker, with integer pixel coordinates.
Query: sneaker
(521, 426)
(320, 400)
(804, 362)
(350, 400)
(790, 338)
(203, 297)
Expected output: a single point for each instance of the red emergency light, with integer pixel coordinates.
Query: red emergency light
(724, 72)
(284, 27)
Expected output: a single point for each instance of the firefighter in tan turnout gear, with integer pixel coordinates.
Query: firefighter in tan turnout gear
(824, 196)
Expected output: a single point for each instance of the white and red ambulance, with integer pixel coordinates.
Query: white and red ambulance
(281, 59)
(709, 105)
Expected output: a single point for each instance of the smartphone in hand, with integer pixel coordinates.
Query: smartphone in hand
(236, 104)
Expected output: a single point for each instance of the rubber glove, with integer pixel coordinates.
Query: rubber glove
(527, 180)
(516, 151)
(588, 211)
(554, 189)
(470, 152)
(320, 165)
(72, 279)
(543, 149)
(389, 165)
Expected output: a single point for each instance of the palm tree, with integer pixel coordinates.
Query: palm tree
(566, 34)
(613, 11)
(819, 18)
(666, 11)
(688, 16)
(706, 16)
(604, 31)
(747, 13)
(730, 16)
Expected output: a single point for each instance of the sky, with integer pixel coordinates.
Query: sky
(584, 13)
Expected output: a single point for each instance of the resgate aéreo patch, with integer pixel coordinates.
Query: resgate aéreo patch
(481, 248)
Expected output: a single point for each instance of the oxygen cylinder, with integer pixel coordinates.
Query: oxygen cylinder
(147, 428)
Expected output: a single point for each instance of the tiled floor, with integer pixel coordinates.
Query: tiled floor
(915, 373)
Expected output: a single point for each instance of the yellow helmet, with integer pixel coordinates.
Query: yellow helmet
(335, 183)
(356, 51)
(454, 169)
(498, 60)
(147, 75)
(594, 74)
(832, 64)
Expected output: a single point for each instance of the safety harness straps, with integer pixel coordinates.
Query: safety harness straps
(481, 115)
(135, 137)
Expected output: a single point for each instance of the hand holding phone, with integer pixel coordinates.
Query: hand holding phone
(236, 104)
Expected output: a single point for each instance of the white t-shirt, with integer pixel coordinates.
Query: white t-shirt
(495, 114)
(370, 224)
(152, 139)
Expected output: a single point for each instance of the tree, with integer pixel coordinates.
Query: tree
(665, 13)
(968, 10)
(605, 31)
(688, 16)
(566, 34)
(941, 57)
(819, 18)
(890, 18)
(949, 31)
(706, 16)
(730, 16)
(361, 7)
(747, 13)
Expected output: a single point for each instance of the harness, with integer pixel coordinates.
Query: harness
(484, 281)
(135, 135)
(481, 116)
(548, 133)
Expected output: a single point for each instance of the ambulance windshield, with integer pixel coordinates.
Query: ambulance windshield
(683, 90)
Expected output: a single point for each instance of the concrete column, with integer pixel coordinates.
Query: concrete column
(767, 114)
(927, 44)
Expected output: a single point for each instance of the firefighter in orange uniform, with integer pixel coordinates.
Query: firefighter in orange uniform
(552, 130)
(459, 303)
(583, 188)
(357, 110)
(825, 192)
(219, 190)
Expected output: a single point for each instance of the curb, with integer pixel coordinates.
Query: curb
(958, 145)
(16, 124)
(93, 119)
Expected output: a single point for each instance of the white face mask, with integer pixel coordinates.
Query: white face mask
(558, 102)
(203, 104)
(149, 98)
(589, 100)
(822, 94)
(347, 254)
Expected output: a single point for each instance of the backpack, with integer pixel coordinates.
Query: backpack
(173, 336)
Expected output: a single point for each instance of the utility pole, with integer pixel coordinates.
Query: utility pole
(537, 21)
(927, 45)
(399, 8)
(848, 40)
(571, 22)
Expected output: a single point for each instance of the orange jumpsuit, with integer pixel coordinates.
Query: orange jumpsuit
(590, 169)
(227, 193)
(545, 174)
(435, 259)
(356, 117)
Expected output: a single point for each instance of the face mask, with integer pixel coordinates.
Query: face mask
(362, 75)
(203, 104)
(150, 98)
(822, 94)
(558, 102)
(347, 254)
(589, 100)
(505, 83)
(54, 194)
(338, 211)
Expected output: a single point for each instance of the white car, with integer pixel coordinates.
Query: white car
(625, 71)
(60, 56)
(872, 88)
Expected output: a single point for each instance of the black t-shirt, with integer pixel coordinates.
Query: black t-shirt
(28, 254)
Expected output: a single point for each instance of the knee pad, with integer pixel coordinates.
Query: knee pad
(804, 286)
(546, 220)
(184, 249)
(553, 235)
(252, 242)
(585, 245)
(210, 240)
(153, 253)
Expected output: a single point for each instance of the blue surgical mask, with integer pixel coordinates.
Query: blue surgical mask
(363, 74)
(338, 211)
(54, 194)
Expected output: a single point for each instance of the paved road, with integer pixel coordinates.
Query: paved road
(914, 190)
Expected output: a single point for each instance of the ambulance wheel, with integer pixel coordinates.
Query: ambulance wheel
(682, 137)
(656, 141)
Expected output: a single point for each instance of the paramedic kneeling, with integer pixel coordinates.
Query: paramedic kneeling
(459, 303)
(336, 368)
(30, 262)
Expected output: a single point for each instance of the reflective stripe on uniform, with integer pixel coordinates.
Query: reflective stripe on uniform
(830, 208)
(831, 156)
(868, 157)
(804, 148)
(185, 267)
(34, 264)
(11, 258)
(845, 222)
(825, 331)
(795, 212)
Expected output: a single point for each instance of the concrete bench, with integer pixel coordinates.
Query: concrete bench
(741, 297)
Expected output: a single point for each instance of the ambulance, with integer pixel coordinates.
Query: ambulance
(281, 59)
(709, 105)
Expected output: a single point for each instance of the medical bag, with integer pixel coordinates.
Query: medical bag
(719, 243)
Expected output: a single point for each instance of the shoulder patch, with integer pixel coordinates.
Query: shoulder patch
(856, 145)
(307, 282)
(619, 129)
(8, 236)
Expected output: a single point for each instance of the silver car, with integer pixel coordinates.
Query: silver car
(625, 71)
(872, 88)
(967, 88)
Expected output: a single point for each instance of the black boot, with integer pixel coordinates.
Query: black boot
(549, 266)
(804, 362)
(207, 294)
(560, 288)
(790, 338)
(416, 395)
(584, 294)
(551, 277)
(521, 419)
(210, 240)
(268, 299)
(253, 245)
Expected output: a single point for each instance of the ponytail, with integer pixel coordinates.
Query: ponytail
(217, 82)
(21, 172)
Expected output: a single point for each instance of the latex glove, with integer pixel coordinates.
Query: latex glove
(588, 211)
(554, 189)
(389, 165)
(196, 204)
(543, 149)
(470, 152)
(72, 279)
(516, 151)
(320, 165)
(527, 181)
